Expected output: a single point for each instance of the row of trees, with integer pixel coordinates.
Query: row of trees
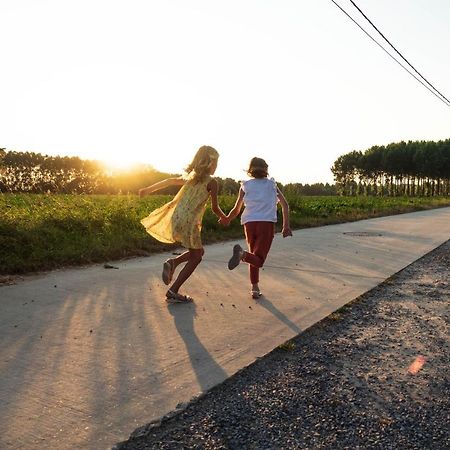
(37, 173)
(296, 189)
(33, 172)
(405, 168)
(413, 168)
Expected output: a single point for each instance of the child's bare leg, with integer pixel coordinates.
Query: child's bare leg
(179, 259)
(171, 264)
(194, 257)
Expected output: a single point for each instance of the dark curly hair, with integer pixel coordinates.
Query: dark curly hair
(257, 168)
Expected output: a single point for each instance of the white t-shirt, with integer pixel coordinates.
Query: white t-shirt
(260, 200)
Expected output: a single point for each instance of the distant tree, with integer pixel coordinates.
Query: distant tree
(228, 186)
(345, 170)
(2, 170)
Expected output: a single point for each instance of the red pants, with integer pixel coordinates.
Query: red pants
(259, 237)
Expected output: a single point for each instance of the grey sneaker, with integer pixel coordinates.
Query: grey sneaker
(236, 258)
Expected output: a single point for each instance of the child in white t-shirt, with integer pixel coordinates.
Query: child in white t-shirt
(260, 196)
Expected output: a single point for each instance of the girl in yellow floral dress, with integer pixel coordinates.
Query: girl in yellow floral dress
(180, 220)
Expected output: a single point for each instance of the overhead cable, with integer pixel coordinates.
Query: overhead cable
(441, 98)
(404, 59)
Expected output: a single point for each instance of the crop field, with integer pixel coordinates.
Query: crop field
(42, 232)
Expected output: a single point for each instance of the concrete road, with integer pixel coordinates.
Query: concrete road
(87, 355)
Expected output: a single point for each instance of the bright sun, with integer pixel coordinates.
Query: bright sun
(120, 164)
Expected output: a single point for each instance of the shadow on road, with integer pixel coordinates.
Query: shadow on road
(266, 303)
(206, 369)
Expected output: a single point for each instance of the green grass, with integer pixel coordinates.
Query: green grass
(41, 232)
(288, 346)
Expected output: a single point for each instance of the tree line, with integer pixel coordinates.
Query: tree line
(37, 173)
(413, 168)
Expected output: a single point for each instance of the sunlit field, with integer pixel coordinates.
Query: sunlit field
(42, 232)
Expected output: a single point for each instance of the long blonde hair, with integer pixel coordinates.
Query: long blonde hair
(200, 167)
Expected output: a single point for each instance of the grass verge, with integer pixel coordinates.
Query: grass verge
(42, 232)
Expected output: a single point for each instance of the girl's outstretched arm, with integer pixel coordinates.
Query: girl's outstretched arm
(161, 185)
(213, 189)
(285, 209)
(237, 206)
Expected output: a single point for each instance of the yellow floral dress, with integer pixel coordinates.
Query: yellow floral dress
(181, 219)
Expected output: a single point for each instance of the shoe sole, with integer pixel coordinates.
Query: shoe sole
(167, 268)
(235, 259)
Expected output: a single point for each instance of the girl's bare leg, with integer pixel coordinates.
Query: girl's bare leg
(171, 264)
(175, 262)
(179, 259)
(193, 257)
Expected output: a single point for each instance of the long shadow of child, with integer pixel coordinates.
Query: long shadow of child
(266, 303)
(207, 370)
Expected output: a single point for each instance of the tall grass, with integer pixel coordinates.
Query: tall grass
(41, 232)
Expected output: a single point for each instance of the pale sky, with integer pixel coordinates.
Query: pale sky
(292, 81)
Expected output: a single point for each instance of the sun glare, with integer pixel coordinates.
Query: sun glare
(120, 165)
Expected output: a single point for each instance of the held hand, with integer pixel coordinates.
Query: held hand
(225, 221)
(286, 232)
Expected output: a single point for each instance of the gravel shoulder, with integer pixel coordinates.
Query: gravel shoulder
(373, 375)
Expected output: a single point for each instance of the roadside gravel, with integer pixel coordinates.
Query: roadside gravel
(373, 375)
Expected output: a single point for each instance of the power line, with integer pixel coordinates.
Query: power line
(443, 100)
(386, 39)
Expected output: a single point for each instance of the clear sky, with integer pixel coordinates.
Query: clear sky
(292, 81)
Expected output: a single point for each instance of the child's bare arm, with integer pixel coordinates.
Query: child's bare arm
(285, 210)
(237, 206)
(161, 185)
(213, 188)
